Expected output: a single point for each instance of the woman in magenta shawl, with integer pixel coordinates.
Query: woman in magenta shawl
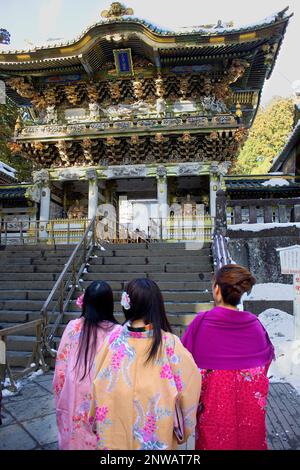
(233, 352)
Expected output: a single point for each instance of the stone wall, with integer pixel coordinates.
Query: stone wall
(257, 251)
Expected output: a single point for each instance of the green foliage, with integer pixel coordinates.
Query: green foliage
(267, 137)
(8, 116)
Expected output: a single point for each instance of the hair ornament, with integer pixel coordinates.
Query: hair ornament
(125, 301)
(79, 301)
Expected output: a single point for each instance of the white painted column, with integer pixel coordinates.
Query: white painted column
(45, 204)
(162, 200)
(213, 188)
(44, 210)
(93, 198)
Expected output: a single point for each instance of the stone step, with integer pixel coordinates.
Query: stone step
(36, 248)
(171, 307)
(158, 276)
(172, 296)
(18, 358)
(19, 316)
(24, 343)
(148, 268)
(20, 343)
(21, 305)
(155, 259)
(14, 294)
(46, 268)
(8, 324)
(31, 261)
(174, 286)
(8, 285)
(100, 268)
(165, 252)
(33, 277)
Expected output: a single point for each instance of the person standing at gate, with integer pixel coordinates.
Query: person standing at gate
(146, 389)
(74, 370)
(233, 351)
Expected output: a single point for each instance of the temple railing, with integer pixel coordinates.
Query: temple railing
(8, 378)
(189, 228)
(56, 231)
(68, 282)
(71, 231)
(113, 231)
(252, 211)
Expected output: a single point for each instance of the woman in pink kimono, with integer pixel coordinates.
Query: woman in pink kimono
(233, 351)
(147, 385)
(74, 370)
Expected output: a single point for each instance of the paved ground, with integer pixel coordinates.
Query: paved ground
(29, 418)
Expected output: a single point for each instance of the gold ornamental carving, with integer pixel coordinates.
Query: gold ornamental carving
(26, 90)
(117, 10)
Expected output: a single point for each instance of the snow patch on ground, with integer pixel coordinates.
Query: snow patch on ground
(20, 383)
(271, 291)
(276, 182)
(260, 226)
(280, 326)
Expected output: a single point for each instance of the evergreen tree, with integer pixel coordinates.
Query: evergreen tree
(8, 116)
(267, 137)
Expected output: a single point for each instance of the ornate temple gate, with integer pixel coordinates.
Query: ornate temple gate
(109, 195)
(128, 101)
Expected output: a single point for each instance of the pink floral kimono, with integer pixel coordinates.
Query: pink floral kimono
(72, 396)
(133, 403)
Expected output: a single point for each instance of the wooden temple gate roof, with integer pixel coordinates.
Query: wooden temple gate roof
(219, 69)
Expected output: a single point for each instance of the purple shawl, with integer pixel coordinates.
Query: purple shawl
(228, 339)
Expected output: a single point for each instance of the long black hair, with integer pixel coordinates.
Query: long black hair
(98, 307)
(147, 304)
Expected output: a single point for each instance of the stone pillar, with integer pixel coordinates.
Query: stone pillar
(162, 199)
(93, 194)
(221, 217)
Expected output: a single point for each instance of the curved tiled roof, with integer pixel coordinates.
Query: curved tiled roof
(284, 154)
(202, 30)
(236, 183)
(13, 192)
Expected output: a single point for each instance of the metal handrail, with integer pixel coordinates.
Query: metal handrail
(36, 359)
(66, 284)
(220, 251)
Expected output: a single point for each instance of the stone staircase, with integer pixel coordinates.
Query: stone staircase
(28, 273)
(183, 276)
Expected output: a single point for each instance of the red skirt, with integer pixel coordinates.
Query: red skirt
(232, 413)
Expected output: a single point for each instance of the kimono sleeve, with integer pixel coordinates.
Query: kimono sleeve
(62, 359)
(99, 360)
(188, 381)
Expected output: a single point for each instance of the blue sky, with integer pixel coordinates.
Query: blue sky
(36, 21)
